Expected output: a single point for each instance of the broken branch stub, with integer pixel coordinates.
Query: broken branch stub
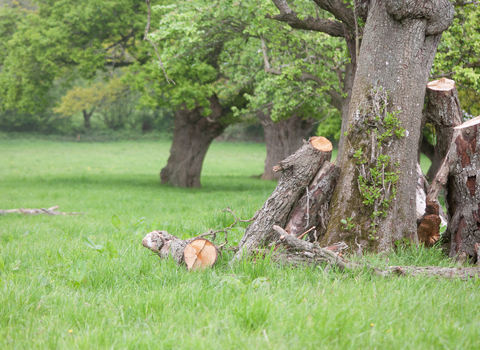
(298, 170)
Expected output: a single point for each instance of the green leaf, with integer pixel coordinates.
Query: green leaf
(2, 263)
(89, 243)
(343, 221)
(112, 251)
(116, 222)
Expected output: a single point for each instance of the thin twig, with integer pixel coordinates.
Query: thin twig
(225, 230)
(147, 29)
(303, 234)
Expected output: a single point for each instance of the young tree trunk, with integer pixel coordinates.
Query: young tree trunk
(398, 47)
(282, 139)
(192, 136)
(298, 170)
(86, 118)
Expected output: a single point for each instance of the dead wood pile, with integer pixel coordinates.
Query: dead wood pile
(295, 216)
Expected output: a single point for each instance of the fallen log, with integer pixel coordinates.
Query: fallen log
(298, 170)
(307, 212)
(194, 252)
(50, 211)
(293, 251)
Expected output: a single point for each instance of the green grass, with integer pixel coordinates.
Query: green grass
(56, 292)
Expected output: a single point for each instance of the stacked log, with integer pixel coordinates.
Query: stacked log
(296, 199)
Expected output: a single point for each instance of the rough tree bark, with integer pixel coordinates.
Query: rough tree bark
(459, 172)
(312, 208)
(444, 112)
(398, 47)
(282, 139)
(298, 171)
(192, 136)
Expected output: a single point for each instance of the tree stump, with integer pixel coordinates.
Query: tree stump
(443, 111)
(459, 171)
(298, 171)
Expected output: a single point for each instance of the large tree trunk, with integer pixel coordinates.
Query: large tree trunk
(192, 136)
(398, 47)
(347, 89)
(282, 139)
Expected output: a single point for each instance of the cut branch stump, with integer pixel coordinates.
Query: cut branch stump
(298, 170)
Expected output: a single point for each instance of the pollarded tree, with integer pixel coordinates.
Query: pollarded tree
(375, 191)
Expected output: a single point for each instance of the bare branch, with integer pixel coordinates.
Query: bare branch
(445, 75)
(287, 15)
(213, 233)
(340, 11)
(266, 64)
(147, 29)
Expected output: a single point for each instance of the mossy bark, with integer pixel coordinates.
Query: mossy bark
(398, 47)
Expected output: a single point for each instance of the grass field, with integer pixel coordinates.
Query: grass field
(86, 282)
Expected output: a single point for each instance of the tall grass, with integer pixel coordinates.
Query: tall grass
(86, 282)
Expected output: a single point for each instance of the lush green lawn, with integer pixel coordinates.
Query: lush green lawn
(57, 292)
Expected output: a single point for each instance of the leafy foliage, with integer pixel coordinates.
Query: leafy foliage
(458, 56)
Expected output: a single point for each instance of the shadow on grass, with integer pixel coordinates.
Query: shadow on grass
(209, 183)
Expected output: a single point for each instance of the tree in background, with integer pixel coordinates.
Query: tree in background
(198, 52)
(61, 40)
(102, 97)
